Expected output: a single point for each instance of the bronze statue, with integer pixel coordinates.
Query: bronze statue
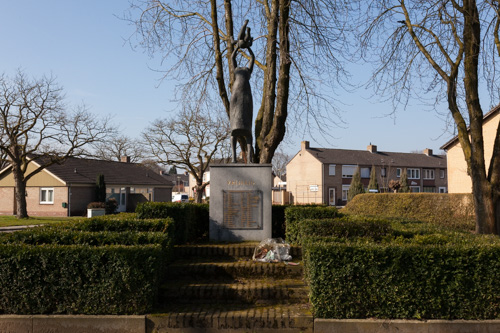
(241, 104)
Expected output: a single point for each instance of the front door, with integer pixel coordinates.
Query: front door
(122, 205)
(331, 196)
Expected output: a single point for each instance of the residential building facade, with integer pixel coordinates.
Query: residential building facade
(458, 179)
(67, 189)
(323, 176)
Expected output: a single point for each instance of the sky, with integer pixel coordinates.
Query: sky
(83, 44)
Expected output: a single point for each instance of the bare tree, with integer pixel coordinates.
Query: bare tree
(36, 127)
(280, 160)
(4, 161)
(439, 45)
(191, 141)
(117, 146)
(297, 46)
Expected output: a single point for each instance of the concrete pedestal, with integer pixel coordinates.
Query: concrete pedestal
(240, 202)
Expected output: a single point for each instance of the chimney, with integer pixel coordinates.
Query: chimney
(428, 152)
(372, 148)
(304, 145)
(125, 159)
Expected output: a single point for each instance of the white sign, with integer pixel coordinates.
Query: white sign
(313, 188)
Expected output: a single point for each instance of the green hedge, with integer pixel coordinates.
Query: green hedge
(344, 227)
(295, 214)
(79, 279)
(278, 218)
(191, 220)
(118, 223)
(447, 280)
(451, 210)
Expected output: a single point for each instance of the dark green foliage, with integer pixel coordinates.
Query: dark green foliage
(278, 217)
(111, 206)
(122, 222)
(172, 170)
(345, 227)
(433, 279)
(373, 185)
(79, 279)
(191, 220)
(100, 189)
(356, 186)
(295, 214)
(454, 211)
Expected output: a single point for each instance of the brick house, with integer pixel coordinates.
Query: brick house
(323, 176)
(66, 189)
(458, 179)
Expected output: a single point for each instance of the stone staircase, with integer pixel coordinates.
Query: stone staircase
(217, 287)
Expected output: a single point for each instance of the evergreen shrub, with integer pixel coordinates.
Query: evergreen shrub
(295, 214)
(120, 223)
(191, 220)
(79, 279)
(425, 277)
(450, 210)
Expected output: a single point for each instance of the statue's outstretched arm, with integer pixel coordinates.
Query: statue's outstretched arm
(252, 60)
(234, 63)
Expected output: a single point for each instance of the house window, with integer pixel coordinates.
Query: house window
(429, 189)
(413, 173)
(383, 172)
(442, 190)
(428, 174)
(345, 191)
(348, 171)
(415, 189)
(398, 172)
(442, 173)
(365, 172)
(46, 195)
(331, 170)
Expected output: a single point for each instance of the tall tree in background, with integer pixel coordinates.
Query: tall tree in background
(441, 45)
(190, 140)
(403, 187)
(296, 48)
(117, 146)
(36, 127)
(373, 184)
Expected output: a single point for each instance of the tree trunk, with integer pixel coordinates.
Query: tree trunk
(20, 192)
(200, 189)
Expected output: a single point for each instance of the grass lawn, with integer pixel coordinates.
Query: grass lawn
(8, 221)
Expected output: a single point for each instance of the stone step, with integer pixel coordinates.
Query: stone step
(226, 271)
(232, 318)
(260, 292)
(230, 250)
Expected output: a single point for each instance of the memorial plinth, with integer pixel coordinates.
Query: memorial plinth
(240, 202)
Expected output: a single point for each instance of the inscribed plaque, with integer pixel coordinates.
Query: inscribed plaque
(242, 209)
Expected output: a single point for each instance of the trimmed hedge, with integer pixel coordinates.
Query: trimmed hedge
(455, 211)
(295, 214)
(278, 218)
(79, 279)
(118, 223)
(344, 227)
(446, 280)
(191, 220)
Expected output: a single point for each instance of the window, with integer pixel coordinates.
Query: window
(442, 190)
(442, 173)
(348, 171)
(331, 170)
(413, 173)
(345, 191)
(398, 172)
(46, 195)
(365, 172)
(429, 189)
(428, 174)
(383, 172)
(415, 189)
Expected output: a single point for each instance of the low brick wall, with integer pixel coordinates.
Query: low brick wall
(404, 326)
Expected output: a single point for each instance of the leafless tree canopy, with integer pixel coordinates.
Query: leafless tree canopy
(191, 140)
(35, 125)
(297, 45)
(117, 146)
(442, 50)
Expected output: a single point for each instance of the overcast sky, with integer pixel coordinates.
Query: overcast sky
(82, 44)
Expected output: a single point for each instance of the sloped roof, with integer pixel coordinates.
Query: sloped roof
(492, 112)
(85, 171)
(364, 157)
